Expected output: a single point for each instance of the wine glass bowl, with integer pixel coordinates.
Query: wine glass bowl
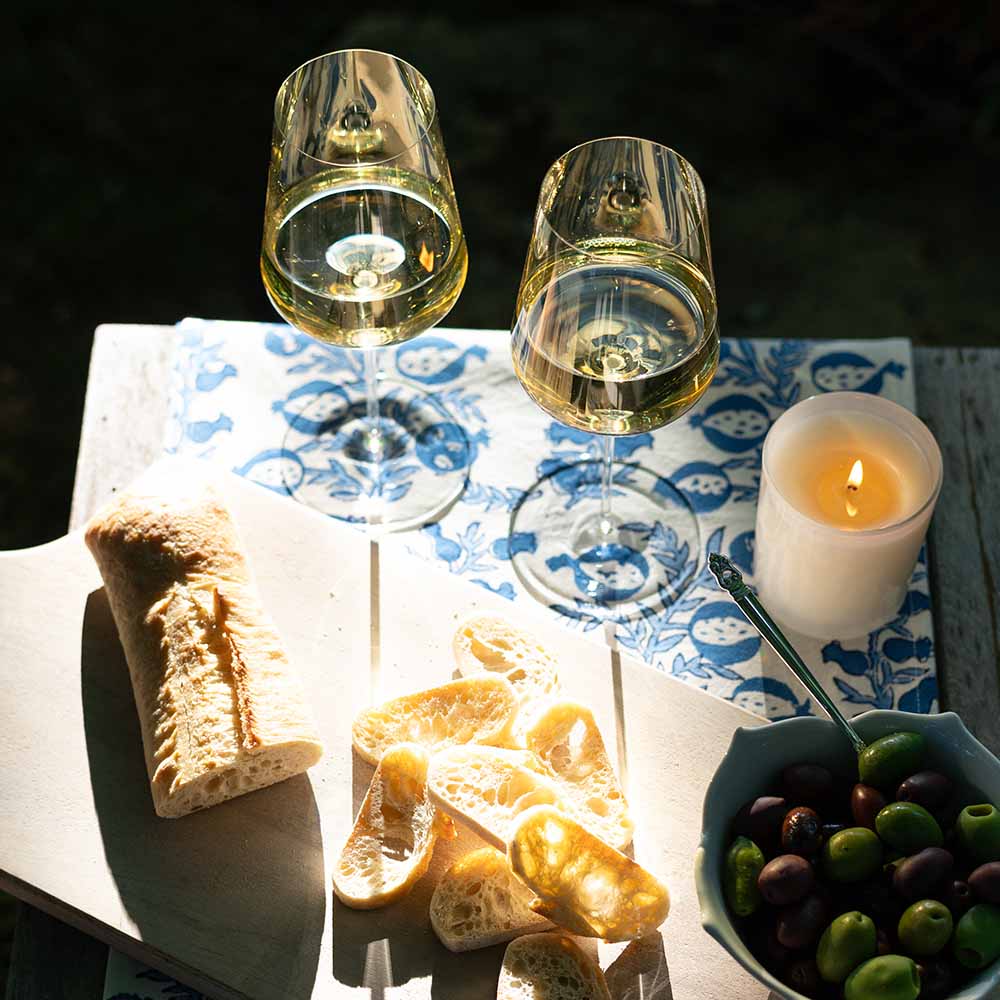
(363, 248)
(615, 333)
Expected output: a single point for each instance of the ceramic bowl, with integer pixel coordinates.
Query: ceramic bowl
(756, 756)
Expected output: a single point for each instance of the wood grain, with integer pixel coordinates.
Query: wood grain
(958, 396)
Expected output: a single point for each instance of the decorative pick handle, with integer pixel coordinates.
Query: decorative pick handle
(731, 580)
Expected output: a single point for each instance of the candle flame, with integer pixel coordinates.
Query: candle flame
(854, 481)
(857, 475)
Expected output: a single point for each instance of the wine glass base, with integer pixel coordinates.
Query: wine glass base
(395, 472)
(567, 552)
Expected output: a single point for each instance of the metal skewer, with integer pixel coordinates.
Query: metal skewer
(731, 580)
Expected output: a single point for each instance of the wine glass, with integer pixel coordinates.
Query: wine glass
(615, 334)
(363, 248)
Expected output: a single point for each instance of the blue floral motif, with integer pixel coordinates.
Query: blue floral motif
(712, 459)
(198, 369)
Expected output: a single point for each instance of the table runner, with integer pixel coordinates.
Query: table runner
(235, 387)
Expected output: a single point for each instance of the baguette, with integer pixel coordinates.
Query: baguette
(478, 903)
(566, 738)
(550, 966)
(485, 788)
(492, 644)
(581, 883)
(390, 847)
(471, 710)
(220, 709)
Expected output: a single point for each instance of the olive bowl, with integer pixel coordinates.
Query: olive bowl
(757, 756)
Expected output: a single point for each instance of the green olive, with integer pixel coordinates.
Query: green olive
(850, 940)
(908, 827)
(925, 928)
(888, 977)
(744, 861)
(886, 762)
(979, 833)
(852, 855)
(977, 937)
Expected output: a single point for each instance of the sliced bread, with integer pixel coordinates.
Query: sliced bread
(549, 966)
(493, 644)
(478, 903)
(390, 846)
(580, 882)
(566, 738)
(471, 710)
(487, 787)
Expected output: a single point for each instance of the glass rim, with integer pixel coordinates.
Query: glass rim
(574, 244)
(932, 455)
(425, 127)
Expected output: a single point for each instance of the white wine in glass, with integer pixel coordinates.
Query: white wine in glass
(615, 333)
(363, 248)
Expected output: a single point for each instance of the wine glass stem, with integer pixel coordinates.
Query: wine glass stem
(607, 458)
(370, 356)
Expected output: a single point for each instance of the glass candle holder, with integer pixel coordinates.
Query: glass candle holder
(848, 485)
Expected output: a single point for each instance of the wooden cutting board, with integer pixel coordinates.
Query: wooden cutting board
(236, 900)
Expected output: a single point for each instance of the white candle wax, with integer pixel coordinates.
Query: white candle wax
(848, 486)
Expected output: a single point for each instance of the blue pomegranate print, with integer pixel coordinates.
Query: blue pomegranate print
(514, 544)
(286, 342)
(843, 370)
(446, 447)
(212, 376)
(851, 661)
(278, 469)
(741, 551)
(704, 485)
(314, 407)
(606, 573)
(722, 635)
(770, 698)
(434, 360)
(734, 423)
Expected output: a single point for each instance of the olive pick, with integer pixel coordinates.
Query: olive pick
(731, 580)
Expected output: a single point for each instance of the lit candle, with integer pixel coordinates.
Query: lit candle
(848, 486)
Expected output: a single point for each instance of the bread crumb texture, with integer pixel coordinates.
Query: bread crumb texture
(487, 788)
(566, 739)
(580, 882)
(393, 838)
(471, 710)
(490, 643)
(549, 966)
(478, 903)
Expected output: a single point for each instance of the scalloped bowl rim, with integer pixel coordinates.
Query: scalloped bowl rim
(946, 727)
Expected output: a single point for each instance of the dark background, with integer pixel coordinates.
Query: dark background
(850, 152)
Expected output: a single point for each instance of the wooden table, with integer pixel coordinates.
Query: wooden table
(958, 393)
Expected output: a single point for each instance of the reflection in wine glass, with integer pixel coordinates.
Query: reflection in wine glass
(363, 248)
(615, 334)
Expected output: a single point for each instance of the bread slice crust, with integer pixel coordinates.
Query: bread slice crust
(478, 903)
(552, 966)
(220, 709)
(582, 884)
(470, 710)
(391, 843)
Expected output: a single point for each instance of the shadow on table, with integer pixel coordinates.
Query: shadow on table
(223, 892)
(640, 972)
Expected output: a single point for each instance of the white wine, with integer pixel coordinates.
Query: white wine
(618, 340)
(366, 260)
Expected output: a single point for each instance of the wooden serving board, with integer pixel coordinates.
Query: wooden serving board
(236, 900)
